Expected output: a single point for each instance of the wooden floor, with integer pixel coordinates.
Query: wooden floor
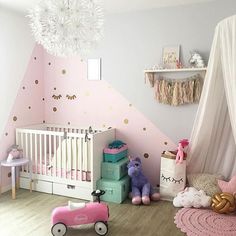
(29, 215)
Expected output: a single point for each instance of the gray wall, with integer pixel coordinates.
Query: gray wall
(134, 41)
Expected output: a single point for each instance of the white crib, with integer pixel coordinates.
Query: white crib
(64, 160)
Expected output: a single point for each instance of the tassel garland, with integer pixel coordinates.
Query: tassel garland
(176, 92)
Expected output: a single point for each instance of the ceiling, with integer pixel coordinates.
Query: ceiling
(111, 6)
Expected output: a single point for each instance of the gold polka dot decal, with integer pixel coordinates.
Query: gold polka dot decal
(144, 129)
(68, 123)
(165, 143)
(35, 58)
(63, 71)
(44, 121)
(54, 109)
(130, 105)
(6, 134)
(49, 63)
(43, 99)
(14, 118)
(103, 125)
(87, 94)
(36, 81)
(23, 87)
(126, 121)
(29, 107)
(55, 88)
(146, 155)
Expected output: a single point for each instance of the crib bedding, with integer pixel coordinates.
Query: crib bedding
(61, 172)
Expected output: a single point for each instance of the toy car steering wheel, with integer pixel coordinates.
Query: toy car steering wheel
(98, 193)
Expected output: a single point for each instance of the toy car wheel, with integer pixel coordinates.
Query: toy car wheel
(59, 229)
(101, 228)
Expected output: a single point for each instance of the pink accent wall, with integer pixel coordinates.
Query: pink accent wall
(57, 91)
(28, 107)
(98, 104)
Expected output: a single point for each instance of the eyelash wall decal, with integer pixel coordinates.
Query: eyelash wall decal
(57, 97)
(73, 97)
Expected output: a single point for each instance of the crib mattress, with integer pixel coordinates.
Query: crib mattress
(61, 173)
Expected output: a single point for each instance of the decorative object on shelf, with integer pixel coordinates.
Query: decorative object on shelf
(176, 91)
(223, 203)
(170, 56)
(67, 27)
(179, 64)
(196, 60)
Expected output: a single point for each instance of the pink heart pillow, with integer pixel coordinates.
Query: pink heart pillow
(228, 187)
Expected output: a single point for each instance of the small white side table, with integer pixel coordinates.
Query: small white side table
(13, 165)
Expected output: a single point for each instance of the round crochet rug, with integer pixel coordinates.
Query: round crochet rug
(202, 222)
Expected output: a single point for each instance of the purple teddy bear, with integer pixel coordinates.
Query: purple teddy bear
(141, 188)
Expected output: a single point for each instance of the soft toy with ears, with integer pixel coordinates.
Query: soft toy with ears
(14, 152)
(142, 190)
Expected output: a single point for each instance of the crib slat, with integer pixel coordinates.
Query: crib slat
(70, 156)
(31, 148)
(85, 155)
(80, 152)
(40, 154)
(64, 158)
(74, 149)
(45, 154)
(55, 156)
(36, 152)
(88, 157)
(50, 153)
(27, 150)
(60, 157)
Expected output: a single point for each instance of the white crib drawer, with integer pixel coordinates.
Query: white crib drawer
(72, 191)
(37, 185)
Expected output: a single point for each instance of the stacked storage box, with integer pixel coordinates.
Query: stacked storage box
(115, 179)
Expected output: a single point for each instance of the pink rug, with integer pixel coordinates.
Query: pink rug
(202, 222)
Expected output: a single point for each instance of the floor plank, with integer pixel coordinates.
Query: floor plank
(29, 215)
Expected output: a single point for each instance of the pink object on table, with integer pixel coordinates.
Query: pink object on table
(228, 187)
(201, 222)
(115, 150)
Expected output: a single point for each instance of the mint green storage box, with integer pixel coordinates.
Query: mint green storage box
(116, 191)
(115, 171)
(115, 157)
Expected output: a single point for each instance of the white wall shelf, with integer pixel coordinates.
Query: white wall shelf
(176, 70)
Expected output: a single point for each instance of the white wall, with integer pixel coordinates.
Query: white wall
(16, 45)
(134, 41)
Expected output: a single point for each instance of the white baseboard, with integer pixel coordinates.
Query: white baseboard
(6, 188)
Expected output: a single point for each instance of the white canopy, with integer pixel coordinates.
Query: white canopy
(213, 138)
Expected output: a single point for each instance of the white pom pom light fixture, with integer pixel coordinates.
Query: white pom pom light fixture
(67, 27)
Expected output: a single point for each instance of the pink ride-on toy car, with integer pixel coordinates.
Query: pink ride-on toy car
(81, 213)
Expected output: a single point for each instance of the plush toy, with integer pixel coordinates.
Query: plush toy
(180, 152)
(142, 190)
(14, 152)
(191, 197)
(196, 60)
